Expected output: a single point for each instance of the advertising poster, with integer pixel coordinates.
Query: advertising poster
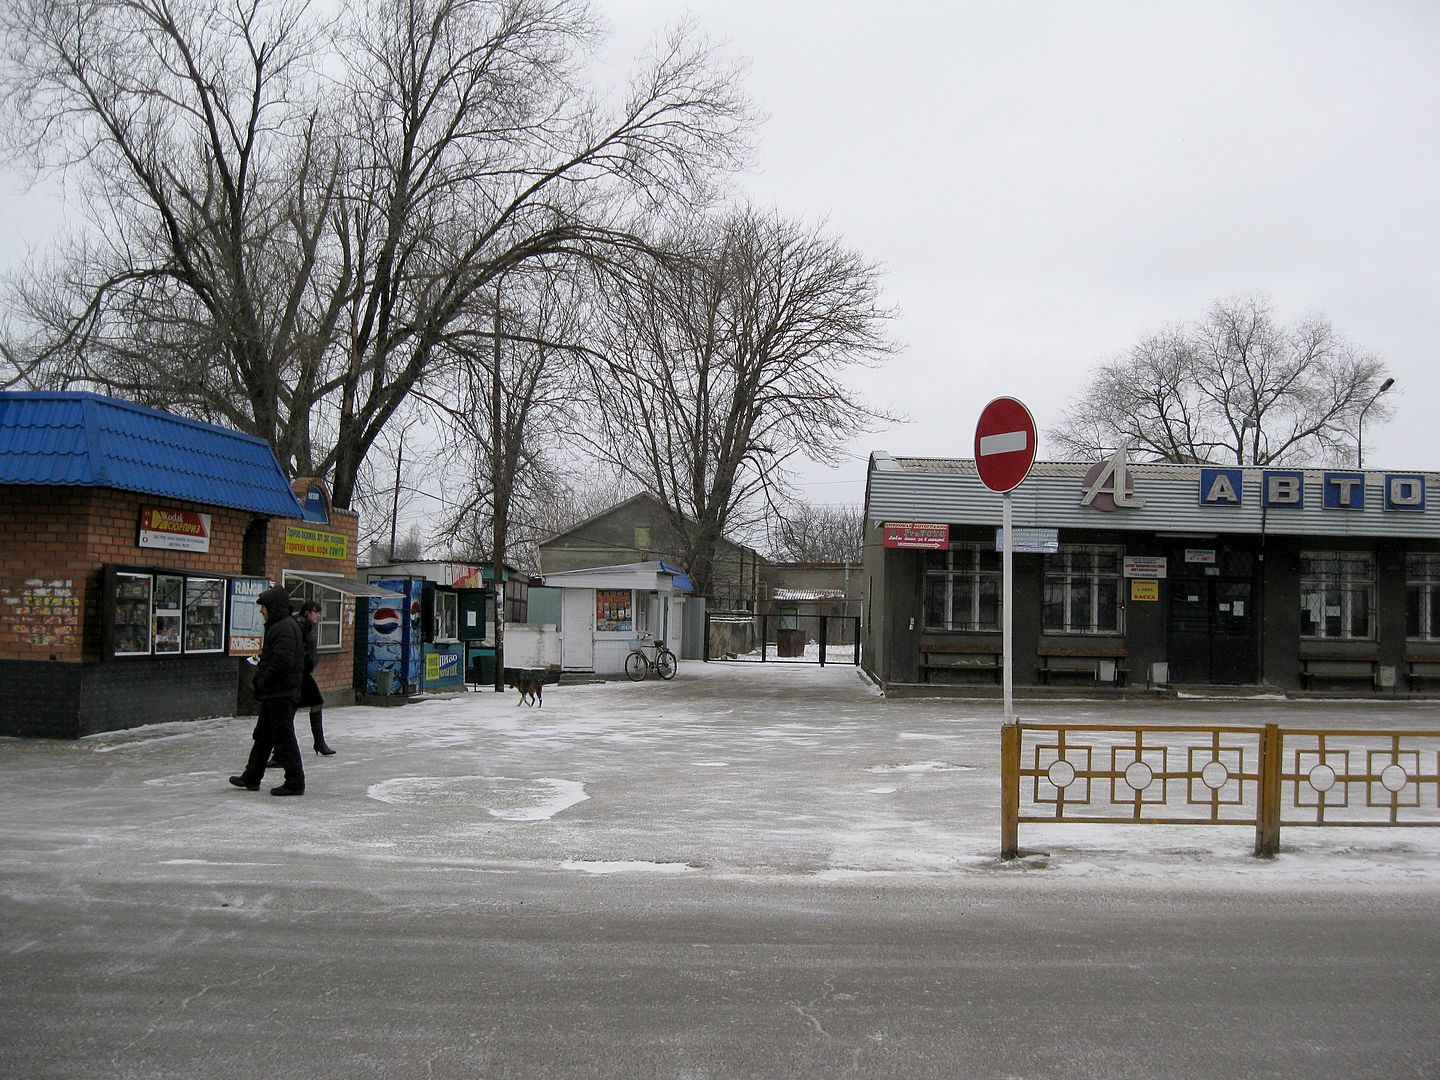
(174, 530)
(247, 625)
(917, 535)
(316, 543)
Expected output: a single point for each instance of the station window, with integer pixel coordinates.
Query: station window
(1083, 590)
(1337, 595)
(1422, 596)
(962, 588)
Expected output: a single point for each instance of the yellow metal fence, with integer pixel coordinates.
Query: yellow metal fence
(1260, 776)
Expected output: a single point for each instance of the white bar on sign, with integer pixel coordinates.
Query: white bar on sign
(1006, 443)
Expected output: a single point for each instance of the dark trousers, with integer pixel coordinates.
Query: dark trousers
(275, 733)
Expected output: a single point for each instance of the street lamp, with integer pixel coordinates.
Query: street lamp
(1248, 423)
(1360, 424)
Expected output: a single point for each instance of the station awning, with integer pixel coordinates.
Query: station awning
(348, 586)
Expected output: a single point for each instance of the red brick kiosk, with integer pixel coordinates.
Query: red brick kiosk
(132, 545)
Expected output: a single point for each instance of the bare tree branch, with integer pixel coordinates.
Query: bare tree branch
(1233, 387)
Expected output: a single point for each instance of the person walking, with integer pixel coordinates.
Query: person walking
(309, 690)
(278, 675)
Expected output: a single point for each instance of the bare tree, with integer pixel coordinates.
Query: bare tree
(817, 532)
(722, 360)
(291, 259)
(497, 400)
(1235, 386)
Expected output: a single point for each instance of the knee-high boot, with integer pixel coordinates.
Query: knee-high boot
(317, 728)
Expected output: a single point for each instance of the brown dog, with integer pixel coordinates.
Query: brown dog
(532, 690)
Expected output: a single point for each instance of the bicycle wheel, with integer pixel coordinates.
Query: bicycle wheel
(665, 664)
(636, 666)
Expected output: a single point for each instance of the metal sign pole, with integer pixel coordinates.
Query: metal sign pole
(1007, 578)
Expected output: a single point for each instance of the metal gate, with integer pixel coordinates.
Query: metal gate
(789, 639)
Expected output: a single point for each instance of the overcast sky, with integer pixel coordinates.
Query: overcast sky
(1044, 183)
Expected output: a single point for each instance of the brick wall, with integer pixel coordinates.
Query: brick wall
(54, 542)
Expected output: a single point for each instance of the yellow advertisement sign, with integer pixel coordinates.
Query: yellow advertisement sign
(1144, 589)
(316, 543)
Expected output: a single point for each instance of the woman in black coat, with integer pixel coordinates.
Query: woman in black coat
(310, 695)
(278, 675)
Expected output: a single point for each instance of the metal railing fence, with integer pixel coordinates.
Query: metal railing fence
(1262, 776)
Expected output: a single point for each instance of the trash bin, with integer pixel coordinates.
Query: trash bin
(384, 681)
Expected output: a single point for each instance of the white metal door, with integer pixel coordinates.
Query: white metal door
(577, 630)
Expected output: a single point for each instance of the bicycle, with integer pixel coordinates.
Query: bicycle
(638, 665)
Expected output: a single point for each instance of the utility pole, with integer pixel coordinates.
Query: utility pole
(497, 526)
(395, 498)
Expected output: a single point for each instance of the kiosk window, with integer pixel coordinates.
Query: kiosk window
(169, 612)
(613, 609)
(447, 616)
(327, 633)
(1337, 594)
(133, 594)
(204, 614)
(165, 613)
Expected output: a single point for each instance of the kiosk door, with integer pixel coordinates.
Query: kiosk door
(1212, 621)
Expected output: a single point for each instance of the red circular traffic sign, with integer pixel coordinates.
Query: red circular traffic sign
(1004, 444)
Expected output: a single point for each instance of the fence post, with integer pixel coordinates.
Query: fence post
(1009, 790)
(1267, 810)
(824, 623)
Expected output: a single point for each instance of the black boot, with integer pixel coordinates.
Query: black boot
(317, 728)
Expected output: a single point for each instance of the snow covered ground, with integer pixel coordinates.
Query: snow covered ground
(730, 770)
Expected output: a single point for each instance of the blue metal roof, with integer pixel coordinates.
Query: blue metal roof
(85, 440)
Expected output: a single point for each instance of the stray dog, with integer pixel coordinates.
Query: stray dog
(532, 689)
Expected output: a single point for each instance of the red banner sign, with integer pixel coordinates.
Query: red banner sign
(917, 535)
(174, 530)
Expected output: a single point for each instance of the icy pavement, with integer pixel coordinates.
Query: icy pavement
(731, 770)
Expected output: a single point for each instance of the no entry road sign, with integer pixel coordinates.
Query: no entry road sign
(1004, 444)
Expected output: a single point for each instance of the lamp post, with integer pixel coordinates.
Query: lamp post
(1360, 424)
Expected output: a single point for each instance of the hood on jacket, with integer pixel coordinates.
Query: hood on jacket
(276, 601)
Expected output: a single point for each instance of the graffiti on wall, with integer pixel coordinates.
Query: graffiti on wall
(43, 612)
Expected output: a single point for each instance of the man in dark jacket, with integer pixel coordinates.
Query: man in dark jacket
(277, 690)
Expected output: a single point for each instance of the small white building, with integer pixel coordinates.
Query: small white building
(606, 610)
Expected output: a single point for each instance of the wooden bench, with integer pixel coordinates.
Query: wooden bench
(1339, 665)
(1079, 660)
(1419, 667)
(952, 656)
